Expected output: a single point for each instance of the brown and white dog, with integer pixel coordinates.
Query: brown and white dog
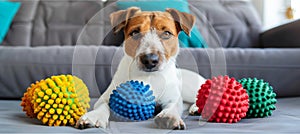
(151, 46)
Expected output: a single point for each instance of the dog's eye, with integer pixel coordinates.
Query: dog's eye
(166, 35)
(135, 34)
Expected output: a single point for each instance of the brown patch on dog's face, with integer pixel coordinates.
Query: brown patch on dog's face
(137, 26)
(144, 22)
(166, 26)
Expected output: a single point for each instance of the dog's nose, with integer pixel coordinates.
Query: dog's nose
(150, 61)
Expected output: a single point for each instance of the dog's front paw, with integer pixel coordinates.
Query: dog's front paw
(93, 119)
(194, 110)
(169, 121)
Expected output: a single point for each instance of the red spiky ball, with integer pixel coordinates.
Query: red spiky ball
(222, 99)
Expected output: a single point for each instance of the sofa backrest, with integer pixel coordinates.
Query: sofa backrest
(236, 22)
(233, 23)
(48, 22)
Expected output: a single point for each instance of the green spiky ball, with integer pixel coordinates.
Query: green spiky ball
(261, 97)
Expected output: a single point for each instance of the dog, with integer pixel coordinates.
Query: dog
(151, 46)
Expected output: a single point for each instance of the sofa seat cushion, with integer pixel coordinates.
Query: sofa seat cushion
(285, 119)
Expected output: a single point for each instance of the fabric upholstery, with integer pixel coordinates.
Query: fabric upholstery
(48, 23)
(236, 22)
(21, 29)
(60, 23)
(285, 119)
(21, 66)
(272, 65)
(27, 65)
(43, 23)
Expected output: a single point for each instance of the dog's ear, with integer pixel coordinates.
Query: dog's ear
(185, 21)
(120, 18)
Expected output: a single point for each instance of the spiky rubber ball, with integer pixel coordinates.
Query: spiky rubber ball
(132, 101)
(261, 97)
(222, 99)
(57, 101)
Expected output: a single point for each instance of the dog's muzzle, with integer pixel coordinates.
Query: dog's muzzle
(150, 62)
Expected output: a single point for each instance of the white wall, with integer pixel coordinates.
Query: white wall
(272, 12)
(296, 7)
(259, 5)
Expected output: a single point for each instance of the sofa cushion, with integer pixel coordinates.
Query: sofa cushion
(235, 21)
(8, 11)
(47, 22)
(279, 67)
(21, 66)
(285, 119)
(61, 22)
(21, 29)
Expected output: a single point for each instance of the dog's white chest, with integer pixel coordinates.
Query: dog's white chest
(161, 82)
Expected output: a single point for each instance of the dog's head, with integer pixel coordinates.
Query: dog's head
(151, 38)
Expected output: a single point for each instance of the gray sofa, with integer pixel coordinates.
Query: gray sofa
(72, 37)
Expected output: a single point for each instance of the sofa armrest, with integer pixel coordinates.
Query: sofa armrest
(284, 36)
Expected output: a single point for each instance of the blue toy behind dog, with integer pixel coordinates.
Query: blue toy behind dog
(132, 101)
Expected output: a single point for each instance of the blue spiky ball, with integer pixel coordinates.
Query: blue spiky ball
(132, 101)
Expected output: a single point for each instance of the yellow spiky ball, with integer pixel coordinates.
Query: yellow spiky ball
(57, 101)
